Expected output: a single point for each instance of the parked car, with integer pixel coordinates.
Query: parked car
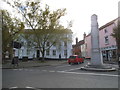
(75, 59)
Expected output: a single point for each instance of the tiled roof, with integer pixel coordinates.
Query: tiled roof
(108, 24)
(78, 44)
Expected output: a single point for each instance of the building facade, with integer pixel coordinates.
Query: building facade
(62, 50)
(88, 46)
(78, 48)
(107, 42)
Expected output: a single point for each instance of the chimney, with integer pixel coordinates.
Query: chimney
(76, 40)
(84, 35)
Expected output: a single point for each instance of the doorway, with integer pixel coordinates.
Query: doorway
(38, 53)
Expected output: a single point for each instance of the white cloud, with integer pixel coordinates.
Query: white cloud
(80, 12)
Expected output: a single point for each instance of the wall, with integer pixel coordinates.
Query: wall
(33, 51)
(88, 46)
(103, 46)
(102, 35)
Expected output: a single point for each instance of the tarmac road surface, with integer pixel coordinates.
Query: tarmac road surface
(59, 76)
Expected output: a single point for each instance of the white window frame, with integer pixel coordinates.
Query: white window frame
(47, 52)
(106, 40)
(54, 52)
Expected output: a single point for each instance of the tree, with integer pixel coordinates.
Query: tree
(116, 35)
(44, 24)
(11, 27)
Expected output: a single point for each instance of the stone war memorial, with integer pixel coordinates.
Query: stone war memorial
(96, 63)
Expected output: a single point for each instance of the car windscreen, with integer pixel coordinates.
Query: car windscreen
(79, 57)
(72, 57)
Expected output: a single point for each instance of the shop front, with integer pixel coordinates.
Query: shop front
(109, 53)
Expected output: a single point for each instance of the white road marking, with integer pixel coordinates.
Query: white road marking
(44, 70)
(60, 71)
(30, 70)
(72, 69)
(15, 69)
(88, 74)
(67, 71)
(28, 87)
(13, 87)
(20, 69)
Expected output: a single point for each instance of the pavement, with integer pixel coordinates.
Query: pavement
(33, 63)
(106, 67)
(37, 63)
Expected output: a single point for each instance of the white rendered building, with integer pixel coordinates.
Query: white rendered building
(64, 49)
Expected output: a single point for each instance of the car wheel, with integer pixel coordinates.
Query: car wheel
(78, 63)
(69, 63)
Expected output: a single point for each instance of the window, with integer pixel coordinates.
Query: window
(72, 57)
(65, 43)
(65, 52)
(106, 40)
(54, 52)
(48, 52)
(86, 45)
(48, 44)
(105, 30)
(28, 51)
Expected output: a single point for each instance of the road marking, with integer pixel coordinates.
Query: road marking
(15, 69)
(88, 74)
(62, 66)
(30, 70)
(29, 87)
(60, 71)
(72, 69)
(20, 69)
(44, 70)
(13, 87)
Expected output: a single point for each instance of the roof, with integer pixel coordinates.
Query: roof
(81, 42)
(88, 34)
(78, 44)
(108, 24)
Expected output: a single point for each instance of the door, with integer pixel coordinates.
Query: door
(38, 53)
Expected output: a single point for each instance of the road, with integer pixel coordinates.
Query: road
(61, 76)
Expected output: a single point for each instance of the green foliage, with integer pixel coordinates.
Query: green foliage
(116, 31)
(116, 35)
(44, 24)
(11, 27)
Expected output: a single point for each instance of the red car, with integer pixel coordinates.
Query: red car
(75, 59)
